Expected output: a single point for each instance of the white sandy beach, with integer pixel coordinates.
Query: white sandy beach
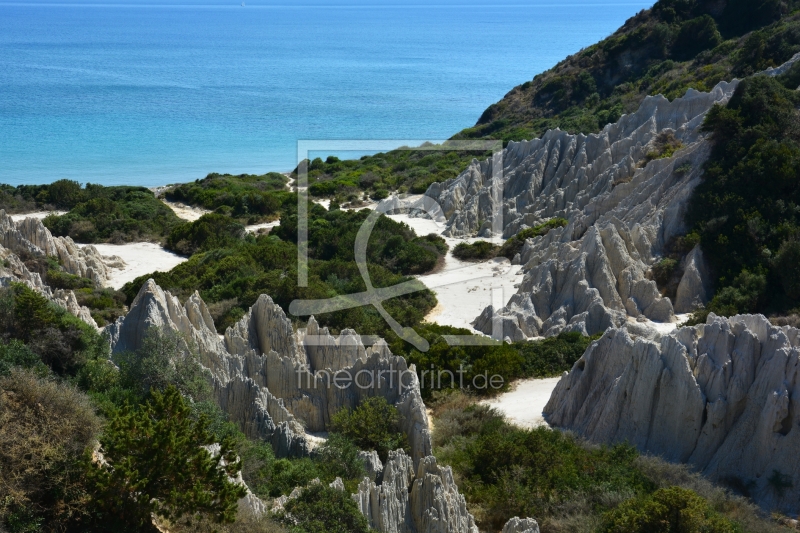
(140, 258)
(523, 405)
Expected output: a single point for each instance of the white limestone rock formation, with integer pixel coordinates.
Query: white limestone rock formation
(13, 270)
(405, 502)
(29, 236)
(278, 385)
(518, 525)
(722, 396)
(623, 208)
(373, 466)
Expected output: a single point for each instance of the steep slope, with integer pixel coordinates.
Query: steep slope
(722, 396)
(624, 193)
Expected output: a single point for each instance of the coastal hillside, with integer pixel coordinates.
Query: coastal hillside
(646, 197)
(676, 45)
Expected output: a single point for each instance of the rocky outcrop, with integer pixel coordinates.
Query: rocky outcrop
(30, 237)
(13, 270)
(405, 502)
(694, 289)
(722, 396)
(277, 384)
(623, 206)
(517, 525)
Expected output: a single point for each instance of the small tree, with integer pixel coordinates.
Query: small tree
(321, 509)
(373, 425)
(155, 464)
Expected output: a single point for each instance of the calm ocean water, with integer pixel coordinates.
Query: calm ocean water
(155, 93)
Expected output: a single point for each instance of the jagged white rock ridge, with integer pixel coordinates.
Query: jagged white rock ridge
(722, 396)
(622, 209)
(29, 238)
(278, 384)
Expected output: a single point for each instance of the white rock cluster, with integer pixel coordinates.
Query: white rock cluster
(29, 238)
(278, 384)
(723, 397)
(622, 210)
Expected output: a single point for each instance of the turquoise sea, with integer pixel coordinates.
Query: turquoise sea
(159, 92)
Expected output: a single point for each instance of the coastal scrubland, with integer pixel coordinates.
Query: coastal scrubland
(570, 485)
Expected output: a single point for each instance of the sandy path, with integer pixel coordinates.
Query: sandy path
(464, 289)
(140, 258)
(186, 212)
(523, 405)
(39, 214)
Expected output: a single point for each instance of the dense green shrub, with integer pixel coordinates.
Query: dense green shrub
(745, 208)
(62, 341)
(16, 354)
(514, 245)
(156, 464)
(470, 367)
(373, 425)
(247, 197)
(476, 251)
(110, 214)
(204, 234)
(669, 510)
(322, 509)
(506, 471)
(164, 359)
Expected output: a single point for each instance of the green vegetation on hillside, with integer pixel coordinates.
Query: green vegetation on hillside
(232, 272)
(745, 211)
(676, 45)
(246, 197)
(95, 213)
(451, 367)
(514, 245)
(568, 485)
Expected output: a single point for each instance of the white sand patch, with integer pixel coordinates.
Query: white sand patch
(38, 214)
(140, 258)
(186, 212)
(464, 289)
(666, 327)
(523, 405)
(254, 228)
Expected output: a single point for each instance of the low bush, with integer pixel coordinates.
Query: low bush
(373, 425)
(470, 367)
(476, 251)
(669, 510)
(204, 234)
(322, 509)
(62, 341)
(110, 214)
(248, 198)
(570, 485)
